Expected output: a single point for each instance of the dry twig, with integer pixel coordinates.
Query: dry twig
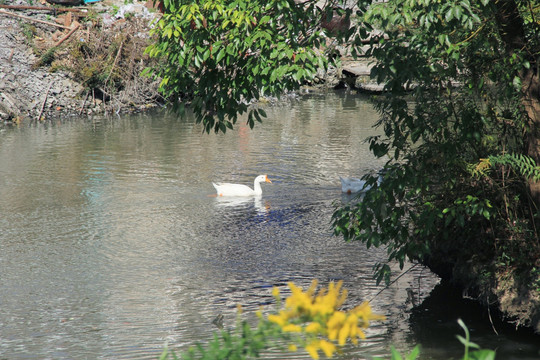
(74, 27)
(44, 101)
(32, 19)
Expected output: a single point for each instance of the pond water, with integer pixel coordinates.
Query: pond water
(113, 245)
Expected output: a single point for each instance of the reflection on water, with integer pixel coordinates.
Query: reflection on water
(234, 203)
(113, 242)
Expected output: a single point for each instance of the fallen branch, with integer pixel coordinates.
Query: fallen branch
(74, 27)
(44, 101)
(43, 8)
(84, 102)
(32, 19)
(114, 63)
(13, 108)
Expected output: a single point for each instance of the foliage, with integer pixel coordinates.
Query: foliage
(316, 314)
(311, 319)
(475, 355)
(221, 55)
(308, 318)
(29, 31)
(47, 57)
(108, 63)
(397, 356)
(522, 165)
(441, 202)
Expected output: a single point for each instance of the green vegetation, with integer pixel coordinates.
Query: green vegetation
(309, 319)
(108, 62)
(47, 57)
(29, 31)
(460, 115)
(220, 55)
(461, 189)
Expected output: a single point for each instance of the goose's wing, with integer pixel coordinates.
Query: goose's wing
(349, 185)
(226, 189)
(350, 180)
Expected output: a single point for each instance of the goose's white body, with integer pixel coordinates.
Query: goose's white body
(227, 189)
(354, 185)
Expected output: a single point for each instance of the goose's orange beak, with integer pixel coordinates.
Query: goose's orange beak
(267, 179)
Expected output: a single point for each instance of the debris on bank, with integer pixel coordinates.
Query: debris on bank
(58, 58)
(83, 57)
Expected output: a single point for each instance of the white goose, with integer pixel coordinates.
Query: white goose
(351, 185)
(226, 189)
(354, 185)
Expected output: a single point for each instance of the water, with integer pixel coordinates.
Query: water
(112, 243)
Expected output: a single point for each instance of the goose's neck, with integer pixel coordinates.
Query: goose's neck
(257, 187)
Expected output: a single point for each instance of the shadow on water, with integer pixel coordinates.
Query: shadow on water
(433, 324)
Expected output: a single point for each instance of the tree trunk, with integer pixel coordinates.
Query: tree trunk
(512, 33)
(531, 101)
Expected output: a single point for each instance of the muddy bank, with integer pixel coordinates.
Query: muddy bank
(84, 60)
(79, 62)
(24, 89)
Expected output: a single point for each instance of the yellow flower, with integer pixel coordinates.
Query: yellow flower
(313, 328)
(280, 319)
(315, 314)
(354, 331)
(363, 311)
(311, 304)
(312, 349)
(291, 328)
(275, 292)
(361, 335)
(292, 348)
(312, 287)
(327, 347)
(298, 300)
(343, 333)
(327, 302)
(334, 324)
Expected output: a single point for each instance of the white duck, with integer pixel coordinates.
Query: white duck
(351, 185)
(226, 189)
(354, 185)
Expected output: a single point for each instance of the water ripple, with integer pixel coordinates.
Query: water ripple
(113, 242)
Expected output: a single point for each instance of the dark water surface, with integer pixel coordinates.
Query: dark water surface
(112, 245)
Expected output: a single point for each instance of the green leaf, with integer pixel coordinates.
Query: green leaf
(482, 355)
(395, 354)
(457, 12)
(517, 83)
(222, 127)
(220, 55)
(164, 354)
(414, 353)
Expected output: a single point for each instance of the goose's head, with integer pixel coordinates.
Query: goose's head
(262, 178)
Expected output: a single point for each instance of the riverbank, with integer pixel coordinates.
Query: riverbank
(74, 61)
(86, 60)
